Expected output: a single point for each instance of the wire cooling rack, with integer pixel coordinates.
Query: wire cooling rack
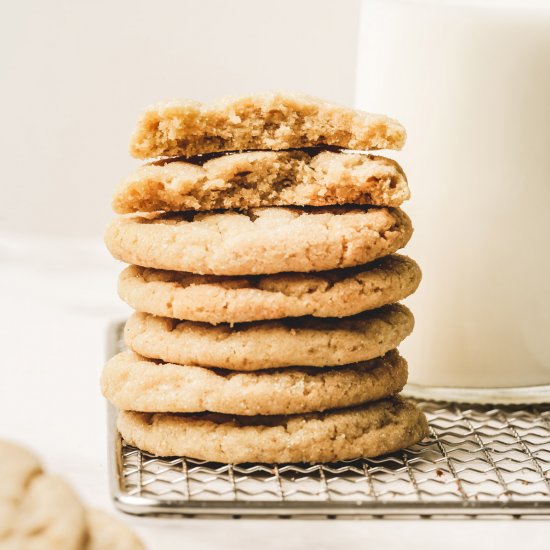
(478, 461)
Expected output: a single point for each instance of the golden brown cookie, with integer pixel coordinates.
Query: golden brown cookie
(301, 341)
(260, 241)
(49, 517)
(107, 533)
(18, 467)
(262, 178)
(132, 382)
(273, 121)
(214, 299)
(366, 431)
(41, 512)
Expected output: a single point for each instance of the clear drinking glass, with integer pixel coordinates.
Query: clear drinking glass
(471, 83)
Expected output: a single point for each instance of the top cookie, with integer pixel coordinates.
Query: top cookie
(272, 120)
(309, 177)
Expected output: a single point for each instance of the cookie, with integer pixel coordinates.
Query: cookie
(135, 383)
(49, 516)
(366, 431)
(301, 341)
(273, 121)
(213, 299)
(106, 533)
(40, 511)
(259, 241)
(18, 467)
(262, 178)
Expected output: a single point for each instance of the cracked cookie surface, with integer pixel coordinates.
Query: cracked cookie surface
(132, 382)
(18, 468)
(260, 241)
(48, 515)
(365, 431)
(300, 341)
(273, 120)
(39, 511)
(262, 178)
(214, 299)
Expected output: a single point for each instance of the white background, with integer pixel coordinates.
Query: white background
(75, 76)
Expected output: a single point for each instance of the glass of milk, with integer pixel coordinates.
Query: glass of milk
(470, 80)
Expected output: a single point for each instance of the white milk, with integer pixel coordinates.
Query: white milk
(471, 83)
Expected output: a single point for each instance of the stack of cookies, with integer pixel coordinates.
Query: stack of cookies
(265, 284)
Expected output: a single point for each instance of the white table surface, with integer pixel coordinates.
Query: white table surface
(57, 298)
